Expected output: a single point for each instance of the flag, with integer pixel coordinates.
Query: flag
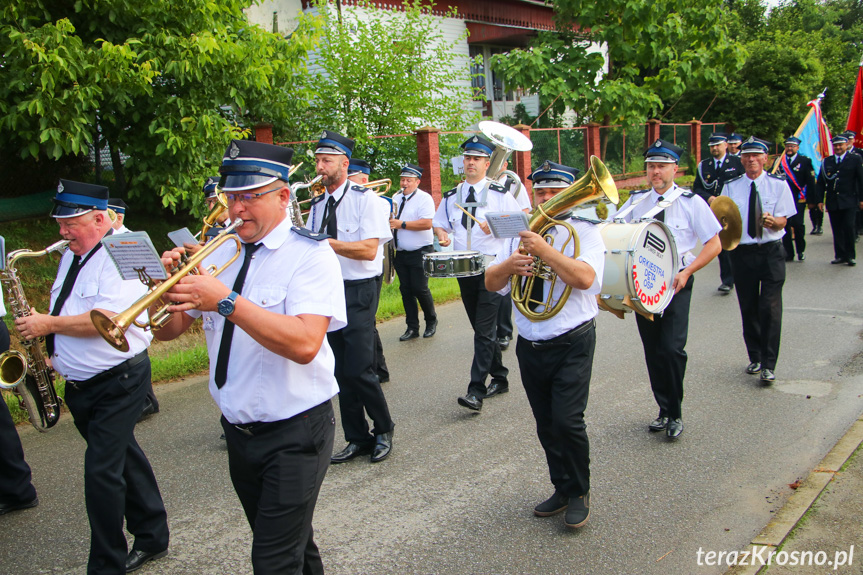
(855, 113)
(815, 135)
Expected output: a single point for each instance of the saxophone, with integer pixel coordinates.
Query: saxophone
(28, 375)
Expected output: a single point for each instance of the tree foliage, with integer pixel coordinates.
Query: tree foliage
(165, 84)
(653, 52)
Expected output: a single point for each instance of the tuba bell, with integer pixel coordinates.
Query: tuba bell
(597, 183)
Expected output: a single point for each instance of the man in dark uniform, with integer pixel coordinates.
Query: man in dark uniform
(800, 176)
(555, 355)
(840, 190)
(105, 387)
(712, 174)
(765, 203)
(734, 142)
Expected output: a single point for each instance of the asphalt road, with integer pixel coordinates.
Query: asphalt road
(457, 494)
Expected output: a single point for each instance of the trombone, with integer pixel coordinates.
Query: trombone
(113, 329)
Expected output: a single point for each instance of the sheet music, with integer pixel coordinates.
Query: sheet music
(506, 224)
(134, 255)
(181, 237)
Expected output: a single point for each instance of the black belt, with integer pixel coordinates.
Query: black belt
(351, 283)
(424, 249)
(260, 427)
(755, 247)
(564, 338)
(109, 373)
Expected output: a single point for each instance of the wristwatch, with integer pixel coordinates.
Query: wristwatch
(226, 306)
(404, 225)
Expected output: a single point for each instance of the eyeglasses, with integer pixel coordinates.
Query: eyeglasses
(247, 198)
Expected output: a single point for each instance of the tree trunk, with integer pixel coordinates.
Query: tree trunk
(117, 163)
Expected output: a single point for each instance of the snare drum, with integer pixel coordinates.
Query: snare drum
(456, 264)
(640, 262)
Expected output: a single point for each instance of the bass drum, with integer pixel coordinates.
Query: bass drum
(640, 264)
(455, 264)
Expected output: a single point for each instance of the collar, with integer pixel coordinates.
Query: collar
(790, 159)
(842, 157)
(720, 160)
(656, 195)
(477, 187)
(278, 235)
(343, 188)
(758, 179)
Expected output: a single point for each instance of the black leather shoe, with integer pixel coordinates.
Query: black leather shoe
(496, 388)
(724, 288)
(350, 452)
(383, 446)
(675, 428)
(10, 507)
(552, 506)
(149, 409)
(851, 263)
(470, 401)
(819, 231)
(137, 558)
(578, 511)
(753, 368)
(410, 333)
(767, 376)
(503, 342)
(431, 328)
(838, 261)
(801, 257)
(658, 424)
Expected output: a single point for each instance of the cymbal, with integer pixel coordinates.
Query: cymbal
(728, 215)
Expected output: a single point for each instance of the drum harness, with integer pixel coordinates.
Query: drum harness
(480, 204)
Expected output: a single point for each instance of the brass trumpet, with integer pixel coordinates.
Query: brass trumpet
(212, 218)
(113, 329)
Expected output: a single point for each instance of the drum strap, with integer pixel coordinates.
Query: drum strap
(664, 202)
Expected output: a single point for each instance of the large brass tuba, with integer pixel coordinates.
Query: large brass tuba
(28, 374)
(113, 329)
(595, 184)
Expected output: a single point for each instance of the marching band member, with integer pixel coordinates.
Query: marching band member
(119, 207)
(357, 226)
(271, 371)
(413, 236)
(105, 387)
(478, 195)
(664, 338)
(840, 190)
(764, 201)
(555, 356)
(800, 177)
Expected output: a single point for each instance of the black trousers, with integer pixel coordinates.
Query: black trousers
(414, 286)
(277, 469)
(482, 306)
(380, 364)
(816, 216)
(726, 269)
(797, 223)
(556, 380)
(760, 274)
(504, 318)
(353, 347)
(664, 340)
(842, 224)
(118, 480)
(15, 477)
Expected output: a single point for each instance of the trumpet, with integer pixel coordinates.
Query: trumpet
(384, 183)
(113, 329)
(212, 218)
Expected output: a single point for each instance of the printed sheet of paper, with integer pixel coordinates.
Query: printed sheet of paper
(134, 254)
(506, 224)
(181, 237)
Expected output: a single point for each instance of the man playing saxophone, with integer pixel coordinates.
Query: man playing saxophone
(105, 388)
(555, 355)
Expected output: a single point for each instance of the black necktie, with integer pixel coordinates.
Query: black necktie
(660, 217)
(754, 228)
(398, 215)
(68, 284)
(330, 219)
(471, 198)
(718, 165)
(228, 331)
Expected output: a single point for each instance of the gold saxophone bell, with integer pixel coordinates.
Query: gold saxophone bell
(597, 183)
(13, 369)
(113, 329)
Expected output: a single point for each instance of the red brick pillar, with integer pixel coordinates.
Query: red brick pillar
(264, 133)
(592, 144)
(522, 162)
(651, 132)
(428, 156)
(695, 141)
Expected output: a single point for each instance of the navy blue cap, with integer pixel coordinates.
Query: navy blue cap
(793, 141)
(754, 145)
(356, 166)
(663, 152)
(717, 138)
(734, 138)
(118, 205)
(551, 175)
(210, 186)
(840, 139)
(248, 165)
(77, 198)
(478, 146)
(849, 134)
(335, 144)
(411, 171)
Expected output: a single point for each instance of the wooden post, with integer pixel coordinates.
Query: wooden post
(428, 156)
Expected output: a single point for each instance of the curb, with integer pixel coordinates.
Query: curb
(787, 518)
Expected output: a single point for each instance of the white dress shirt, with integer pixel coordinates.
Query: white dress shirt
(689, 219)
(359, 217)
(448, 217)
(98, 285)
(418, 206)
(581, 305)
(523, 197)
(776, 199)
(288, 275)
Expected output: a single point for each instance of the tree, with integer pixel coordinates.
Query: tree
(165, 84)
(652, 52)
